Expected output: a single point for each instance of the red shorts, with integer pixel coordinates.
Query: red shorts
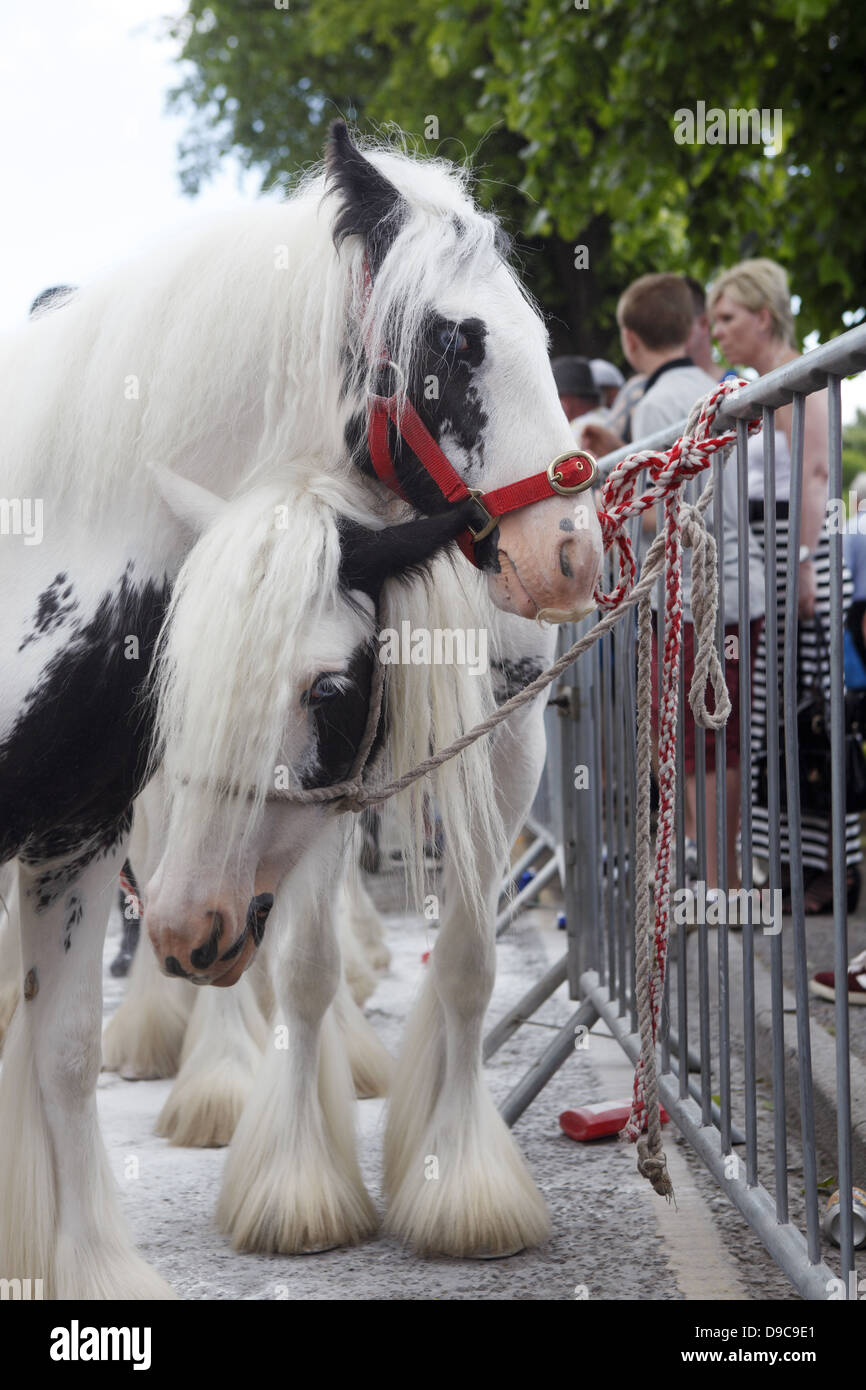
(732, 681)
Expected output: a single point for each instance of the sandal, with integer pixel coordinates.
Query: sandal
(818, 892)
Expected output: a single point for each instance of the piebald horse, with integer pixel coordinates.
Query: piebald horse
(286, 346)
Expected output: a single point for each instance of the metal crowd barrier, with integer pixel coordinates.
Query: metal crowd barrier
(596, 731)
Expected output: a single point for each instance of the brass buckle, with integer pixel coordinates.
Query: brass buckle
(492, 521)
(566, 489)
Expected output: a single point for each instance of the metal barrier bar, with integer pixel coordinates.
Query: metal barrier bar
(840, 919)
(746, 878)
(795, 830)
(814, 1280)
(771, 624)
(720, 775)
(597, 730)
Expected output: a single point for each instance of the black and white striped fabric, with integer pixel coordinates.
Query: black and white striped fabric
(816, 829)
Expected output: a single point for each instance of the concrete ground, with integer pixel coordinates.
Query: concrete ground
(613, 1238)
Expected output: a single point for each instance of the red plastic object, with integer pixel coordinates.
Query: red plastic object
(426, 956)
(598, 1121)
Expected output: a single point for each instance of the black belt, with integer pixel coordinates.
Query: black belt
(756, 509)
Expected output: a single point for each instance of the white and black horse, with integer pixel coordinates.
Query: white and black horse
(243, 356)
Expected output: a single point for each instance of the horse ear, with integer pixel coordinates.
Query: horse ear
(371, 207)
(370, 557)
(195, 506)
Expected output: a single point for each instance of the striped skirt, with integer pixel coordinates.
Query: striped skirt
(816, 829)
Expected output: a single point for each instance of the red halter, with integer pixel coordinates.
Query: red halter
(566, 474)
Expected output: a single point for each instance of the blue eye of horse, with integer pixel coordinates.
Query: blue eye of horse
(449, 340)
(323, 688)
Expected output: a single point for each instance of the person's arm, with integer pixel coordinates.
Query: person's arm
(598, 439)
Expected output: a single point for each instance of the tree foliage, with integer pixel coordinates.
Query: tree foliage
(568, 116)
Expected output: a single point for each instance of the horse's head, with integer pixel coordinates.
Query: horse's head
(263, 683)
(439, 320)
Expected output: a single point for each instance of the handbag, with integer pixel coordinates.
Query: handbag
(815, 755)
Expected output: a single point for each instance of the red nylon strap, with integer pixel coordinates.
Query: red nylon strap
(573, 471)
(426, 450)
(377, 438)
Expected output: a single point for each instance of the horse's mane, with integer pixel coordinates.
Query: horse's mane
(221, 353)
(250, 605)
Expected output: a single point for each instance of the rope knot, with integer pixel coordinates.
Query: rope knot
(654, 1167)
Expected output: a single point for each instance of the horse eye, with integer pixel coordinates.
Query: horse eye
(323, 688)
(451, 341)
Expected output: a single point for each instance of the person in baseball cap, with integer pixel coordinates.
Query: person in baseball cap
(578, 392)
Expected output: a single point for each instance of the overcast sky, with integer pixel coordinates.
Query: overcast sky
(89, 167)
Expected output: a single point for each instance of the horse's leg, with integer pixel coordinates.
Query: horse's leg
(292, 1182)
(59, 1218)
(226, 1035)
(456, 1181)
(10, 955)
(144, 1037)
(360, 977)
(371, 1064)
(365, 921)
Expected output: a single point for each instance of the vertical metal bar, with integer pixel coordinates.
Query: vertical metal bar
(620, 656)
(838, 838)
(792, 778)
(745, 703)
(630, 682)
(607, 697)
(771, 647)
(598, 800)
(722, 825)
(581, 831)
(703, 944)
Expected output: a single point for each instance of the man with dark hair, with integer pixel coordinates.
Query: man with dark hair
(655, 316)
(578, 393)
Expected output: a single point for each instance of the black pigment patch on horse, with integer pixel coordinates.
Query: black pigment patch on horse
(510, 677)
(54, 607)
(257, 916)
(368, 558)
(441, 387)
(77, 754)
(340, 721)
(370, 205)
(204, 956)
(72, 916)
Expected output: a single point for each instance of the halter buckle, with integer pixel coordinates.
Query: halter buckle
(554, 477)
(490, 522)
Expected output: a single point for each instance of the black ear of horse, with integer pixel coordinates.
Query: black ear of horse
(371, 207)
(370, 557)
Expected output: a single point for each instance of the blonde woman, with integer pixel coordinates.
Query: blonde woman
(750, 310)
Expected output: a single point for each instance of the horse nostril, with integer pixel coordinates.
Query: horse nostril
(205, 955)
(257, 915)
(564, 561)
(174, 967)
